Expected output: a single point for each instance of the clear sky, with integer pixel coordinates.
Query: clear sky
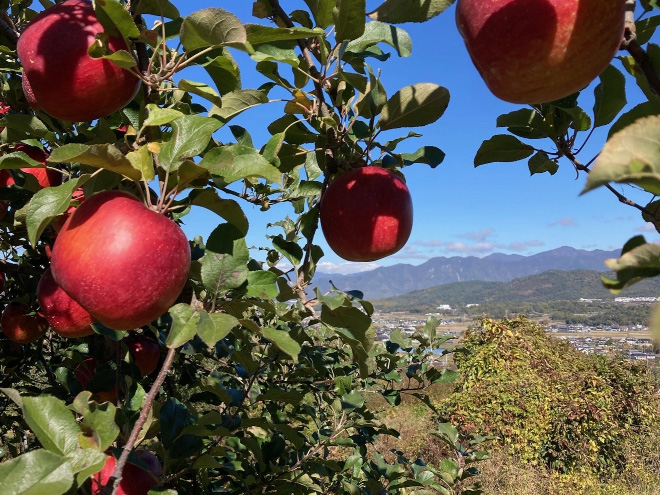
(459, 210)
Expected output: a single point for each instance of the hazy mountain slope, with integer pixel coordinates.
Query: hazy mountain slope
(399, 279)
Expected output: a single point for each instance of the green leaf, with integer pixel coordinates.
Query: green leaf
(106, 156)
(237, 102)
(157, 116)
(121, 58)
(526, 123)
(200, 89)
(48, 203)
(116, 19)
(262, 284)
(645, 28)
(18, 159)
(349, 17)
(228, 209)
(190, 136)
(157, 8)
(223, 69)
(98, 421)
(224, 266)
(235, 162)
(258, 33)
(399, 11)
(610, 96)
(632, 156)
(645, 109)
(379, 32)
(211, 27)
(142, 160)
(352, 400)
(86, 462)
(322, 11)
(283, 341)
(184, 325)
(290, 250)
(215, 327)
(52, 423)
(429, 155)
(502, 148)
(414, 106)
(541, 163)
(28, 124)
(36, 473)
(639, 260)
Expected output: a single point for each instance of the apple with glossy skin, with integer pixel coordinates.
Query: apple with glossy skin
(135, 480)
(366, 214)
(65, 316)
(536, 51)
(18, 326)
(84, 372)
(121, 261)
(45, 176)
(60, 77)
(145, 351)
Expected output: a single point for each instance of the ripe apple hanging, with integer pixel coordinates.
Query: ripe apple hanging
(536, 51)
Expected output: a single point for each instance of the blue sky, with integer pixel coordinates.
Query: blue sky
(459, 210)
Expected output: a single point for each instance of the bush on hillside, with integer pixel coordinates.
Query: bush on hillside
(547, 403)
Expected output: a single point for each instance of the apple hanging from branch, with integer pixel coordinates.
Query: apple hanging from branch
(536, 51)
(122, 262)
(366, 214)
(21, 327)
(59, 75)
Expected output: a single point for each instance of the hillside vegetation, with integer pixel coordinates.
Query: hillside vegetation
(554, 408)
(552, 285)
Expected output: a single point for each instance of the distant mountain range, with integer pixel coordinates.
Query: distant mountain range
(552, 285)
(398, 279)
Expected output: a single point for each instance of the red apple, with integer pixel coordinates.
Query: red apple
(65, 316)
(535, 51)
(145, 351)
(84, 372)
(366, 214)
(45, 176)
(18, 326)
(78, 197)
(59, 76)
(135, 480)
(121, 261)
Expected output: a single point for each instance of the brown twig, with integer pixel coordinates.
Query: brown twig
(8, 29)
(638, 54)
(113, 483)
(623, 199)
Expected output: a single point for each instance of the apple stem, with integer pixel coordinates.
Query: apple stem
(113, 483)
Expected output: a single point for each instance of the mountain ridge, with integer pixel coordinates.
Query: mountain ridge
(394, 280)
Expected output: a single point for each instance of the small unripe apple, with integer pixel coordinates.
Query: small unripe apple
(65, 316)
(59, 75)
(84, 372)
(366, 214)
(45, 176)
(121, 261)
(145, 351)
(18, 326)
(536, 51)
(135, 480)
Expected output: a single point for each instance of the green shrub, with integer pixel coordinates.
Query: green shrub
(548, 404)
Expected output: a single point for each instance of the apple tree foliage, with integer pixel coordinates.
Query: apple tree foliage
(266, 385)
(549, 134)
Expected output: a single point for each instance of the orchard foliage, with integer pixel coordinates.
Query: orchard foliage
(262, 383)
(549, 404)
